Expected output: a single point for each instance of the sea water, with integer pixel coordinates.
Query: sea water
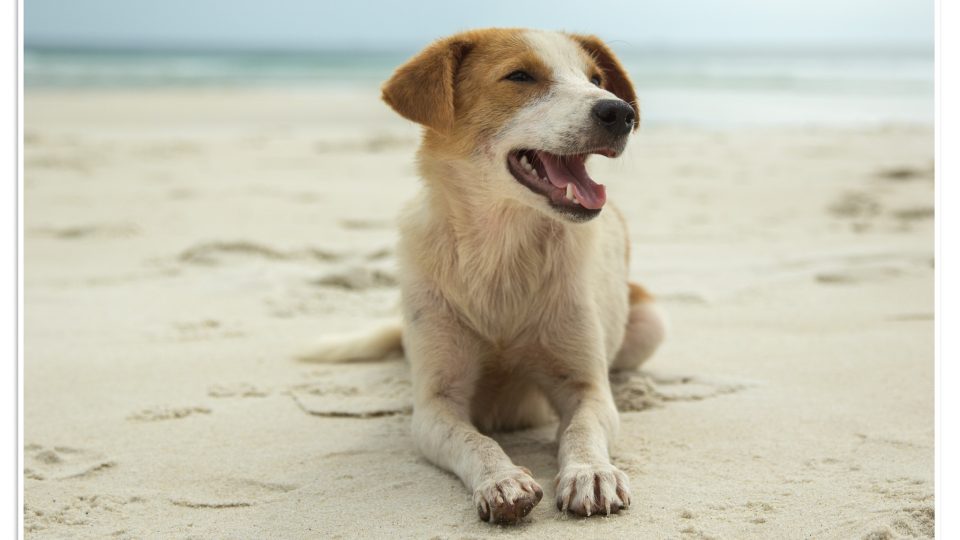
(713, 87)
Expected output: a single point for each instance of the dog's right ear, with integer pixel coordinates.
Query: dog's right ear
(422, 89)
(615, 78)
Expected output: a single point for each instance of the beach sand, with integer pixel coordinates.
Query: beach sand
(182, 247)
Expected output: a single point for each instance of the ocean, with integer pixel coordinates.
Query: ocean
(701, 87)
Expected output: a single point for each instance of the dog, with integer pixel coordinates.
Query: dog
(515, 298)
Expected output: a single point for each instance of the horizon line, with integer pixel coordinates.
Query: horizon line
(383, 48)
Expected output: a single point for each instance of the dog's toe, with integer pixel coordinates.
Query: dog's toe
(505, 498)
(587, 490)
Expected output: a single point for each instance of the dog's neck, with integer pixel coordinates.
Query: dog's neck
(485, 223)
(497, 260)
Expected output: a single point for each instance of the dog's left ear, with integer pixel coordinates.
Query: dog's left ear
(615, 78)
(422, 90)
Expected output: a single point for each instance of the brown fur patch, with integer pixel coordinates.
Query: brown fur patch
(485, 101)
(456, 87)
(638, 294)
(422, 90)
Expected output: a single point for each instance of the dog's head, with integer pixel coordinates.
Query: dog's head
(525, 108)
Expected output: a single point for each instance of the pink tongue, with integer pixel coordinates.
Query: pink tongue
(570, 170)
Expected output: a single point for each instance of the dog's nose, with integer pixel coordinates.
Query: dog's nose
(615, 115)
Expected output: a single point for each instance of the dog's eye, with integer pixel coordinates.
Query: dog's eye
(519, 76)
(596, 80)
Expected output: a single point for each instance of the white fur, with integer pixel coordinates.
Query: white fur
(370, 345)
(566, 109)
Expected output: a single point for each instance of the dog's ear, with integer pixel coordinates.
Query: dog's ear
(422, 89)
(615, 78)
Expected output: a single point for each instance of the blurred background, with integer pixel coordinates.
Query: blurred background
(695, 61)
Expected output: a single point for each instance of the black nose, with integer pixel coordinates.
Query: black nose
(616, 116)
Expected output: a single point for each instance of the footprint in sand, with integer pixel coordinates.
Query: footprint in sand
(357, 279)
(75, 163)
(62, 462)
(237, 390)
(374, 273)
(758, 511)
(905, 173)
(206, 329)
(903, 489)
(357, 391)
(910, 317)
(636, 391)
(92, 230)
(854, 267)
(856, 205)
(154, 414)
(916, 213)
(74, 511)
(692, 532)
(908, 522)
(379, 254)
(366, 224)
(852, 276)
(225, 493)
(216, 253)
(383, 389)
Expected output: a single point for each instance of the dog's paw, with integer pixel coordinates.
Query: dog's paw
(587, 490)
(507, 496)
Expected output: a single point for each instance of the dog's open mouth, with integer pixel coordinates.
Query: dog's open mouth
(562, 179)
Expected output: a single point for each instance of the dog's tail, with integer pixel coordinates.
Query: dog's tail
(377, 344)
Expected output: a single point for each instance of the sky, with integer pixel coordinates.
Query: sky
(365, 24)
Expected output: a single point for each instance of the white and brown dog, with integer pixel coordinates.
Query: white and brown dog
(516, 303)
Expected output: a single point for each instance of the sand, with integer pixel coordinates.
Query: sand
(184, 246)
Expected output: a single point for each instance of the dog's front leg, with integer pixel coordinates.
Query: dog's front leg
(445, 361)
(579, 387)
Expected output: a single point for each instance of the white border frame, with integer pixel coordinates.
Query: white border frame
(11, 243)
(947, 299)
(19, 188)
(947, 263)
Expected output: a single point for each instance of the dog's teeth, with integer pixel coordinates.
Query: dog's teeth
(526, 164)
(570, 195)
